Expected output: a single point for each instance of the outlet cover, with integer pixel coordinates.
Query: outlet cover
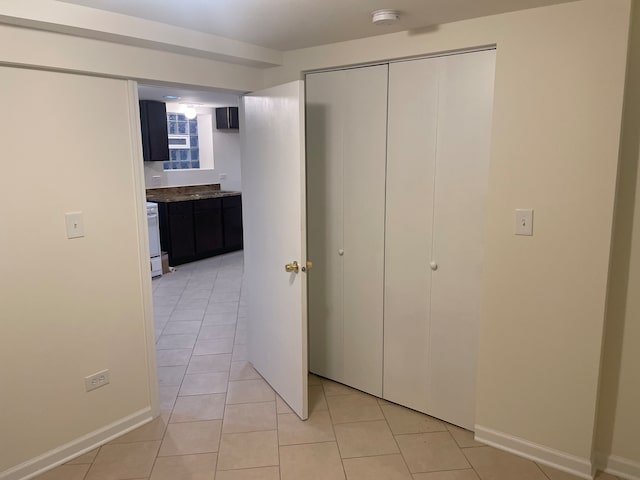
(96, 380)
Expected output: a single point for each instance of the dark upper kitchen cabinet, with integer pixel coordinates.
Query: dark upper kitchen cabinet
(232, 215)
(208, 225)
(155, 139)
(227, 118)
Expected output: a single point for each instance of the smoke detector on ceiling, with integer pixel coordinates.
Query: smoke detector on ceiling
(385, 17)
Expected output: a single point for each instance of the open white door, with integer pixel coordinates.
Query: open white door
(274, 220)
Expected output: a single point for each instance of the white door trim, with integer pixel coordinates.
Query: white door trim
(143, 247)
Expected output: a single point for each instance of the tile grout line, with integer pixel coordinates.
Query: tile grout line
(226, 393)
(185, 374)
(278, 439)
(224, 404)
(166, 428)
(395, 440)
(333, 429)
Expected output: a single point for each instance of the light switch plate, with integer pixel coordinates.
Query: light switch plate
(75, 224)
(524, 221)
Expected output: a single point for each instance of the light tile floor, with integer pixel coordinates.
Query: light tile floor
(220, 420)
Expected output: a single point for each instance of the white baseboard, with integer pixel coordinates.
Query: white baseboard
(618, 466)
(77, 447)
(581, 467)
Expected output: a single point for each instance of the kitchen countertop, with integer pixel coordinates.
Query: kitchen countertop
(191, 192)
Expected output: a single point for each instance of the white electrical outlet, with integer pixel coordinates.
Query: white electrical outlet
(223, 176)
(524, 222)
(156, 181)
(96, 380)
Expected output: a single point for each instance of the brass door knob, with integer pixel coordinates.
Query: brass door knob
(308, 267)
(292, 267)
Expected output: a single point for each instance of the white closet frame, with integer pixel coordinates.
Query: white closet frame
(436, 145)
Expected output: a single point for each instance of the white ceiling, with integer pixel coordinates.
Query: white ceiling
(291, 24)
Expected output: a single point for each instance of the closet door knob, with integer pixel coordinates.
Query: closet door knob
(341, 252)
(434, 266)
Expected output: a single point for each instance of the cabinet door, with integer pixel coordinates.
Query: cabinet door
(182, 245)
(234, 121)
(208, 226)
(155, 140)
(232, 222)
(227, 118)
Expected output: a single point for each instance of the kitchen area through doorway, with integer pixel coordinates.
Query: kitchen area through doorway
(194, 209)
(217, 412)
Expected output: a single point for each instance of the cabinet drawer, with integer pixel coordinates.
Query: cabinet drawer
(207, 204)
(180, 208)
(232, 201)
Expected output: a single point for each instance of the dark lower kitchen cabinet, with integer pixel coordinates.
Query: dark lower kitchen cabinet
(232, 214)
(195, 229)
(180, 231)
(208, 226)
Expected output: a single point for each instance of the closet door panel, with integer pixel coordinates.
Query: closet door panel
(413, 103)
(364, 160)
(325, 137)
(462, 161)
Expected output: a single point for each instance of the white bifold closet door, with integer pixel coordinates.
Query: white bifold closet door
(440, 112)
(346, 114)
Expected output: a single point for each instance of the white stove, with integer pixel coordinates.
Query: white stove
(154, 239)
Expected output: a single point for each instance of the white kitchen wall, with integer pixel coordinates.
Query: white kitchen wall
(219, 157)
(226, 147)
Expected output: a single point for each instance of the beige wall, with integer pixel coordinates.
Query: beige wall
(558, 102)
(557, 112)
(70, 308)
(619, 420)
(73, 307)
(69, 18)
(22, 46)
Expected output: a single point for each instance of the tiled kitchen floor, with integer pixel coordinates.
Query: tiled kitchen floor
(220, 420)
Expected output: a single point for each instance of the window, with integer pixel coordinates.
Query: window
(183, 142)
